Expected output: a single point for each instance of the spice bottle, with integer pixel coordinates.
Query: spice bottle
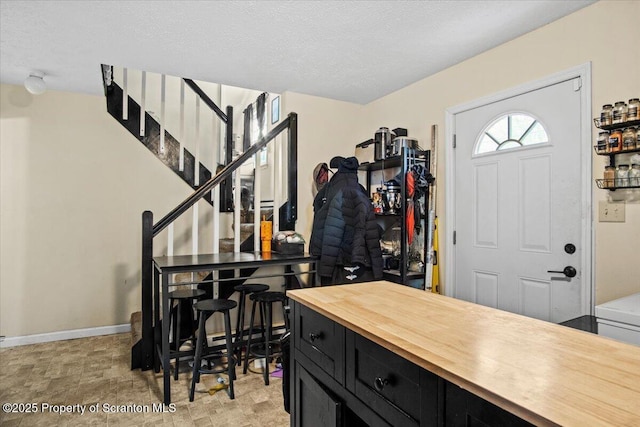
(602, 144)
(622, 176)
(633, 111)
(634, 175)
(606, 116)
(619, 112)
(609, 176)
(629, 139)
(638, 138)
(615, 141)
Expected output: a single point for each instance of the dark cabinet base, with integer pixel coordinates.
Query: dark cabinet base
(465, 409)
(315, 406)
(368, 385)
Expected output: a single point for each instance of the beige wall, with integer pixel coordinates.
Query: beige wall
(74, 182)
(586, 35)
(326, 128)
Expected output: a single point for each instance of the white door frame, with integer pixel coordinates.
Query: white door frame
(586, 158)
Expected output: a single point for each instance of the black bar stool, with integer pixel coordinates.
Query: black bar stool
(205, 309)
(244, 289)
(265, 302)
(185, 298)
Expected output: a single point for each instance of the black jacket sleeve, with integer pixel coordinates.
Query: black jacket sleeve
(333, 233)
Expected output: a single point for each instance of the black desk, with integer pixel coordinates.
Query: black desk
(164, 266)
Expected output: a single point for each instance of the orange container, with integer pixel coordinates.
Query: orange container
(266, 230)
(266, 234)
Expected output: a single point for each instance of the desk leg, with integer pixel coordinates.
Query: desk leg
(156, 320)
(288, 279)
(166, 368)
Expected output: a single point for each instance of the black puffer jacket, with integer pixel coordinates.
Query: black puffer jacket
(345, 232)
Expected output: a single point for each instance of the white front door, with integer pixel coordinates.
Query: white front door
(518, 203)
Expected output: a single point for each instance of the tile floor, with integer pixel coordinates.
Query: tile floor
(95, 370)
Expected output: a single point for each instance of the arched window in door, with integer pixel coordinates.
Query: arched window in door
(509, 132)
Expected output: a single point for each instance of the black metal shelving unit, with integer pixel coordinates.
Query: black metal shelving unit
(407, 158)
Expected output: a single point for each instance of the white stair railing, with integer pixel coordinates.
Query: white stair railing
(153, 93)
(181, 158)
(125, 95)
(143, 102)
(163, 93)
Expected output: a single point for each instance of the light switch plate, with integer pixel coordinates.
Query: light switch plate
(611, 212)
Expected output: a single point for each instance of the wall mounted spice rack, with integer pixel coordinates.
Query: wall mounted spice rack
(616, 183)
(632, 123)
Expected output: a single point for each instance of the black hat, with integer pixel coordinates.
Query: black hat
(335, 162)
(349, 165)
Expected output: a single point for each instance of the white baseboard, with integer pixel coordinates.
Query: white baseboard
(64, 335)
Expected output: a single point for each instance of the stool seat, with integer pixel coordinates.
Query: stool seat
(251, 288)
(186, 293)
(268, 297)
(216, 305)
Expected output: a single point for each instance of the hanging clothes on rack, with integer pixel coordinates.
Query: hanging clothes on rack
(345, 235)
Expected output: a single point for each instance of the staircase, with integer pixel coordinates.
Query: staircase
(150, 131)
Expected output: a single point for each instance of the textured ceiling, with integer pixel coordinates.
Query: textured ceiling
(354, 51)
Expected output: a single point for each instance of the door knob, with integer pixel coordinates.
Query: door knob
(568, 271)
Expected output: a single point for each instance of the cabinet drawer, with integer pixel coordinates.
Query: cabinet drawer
(399, 391)
(465, 409)
(321, 340)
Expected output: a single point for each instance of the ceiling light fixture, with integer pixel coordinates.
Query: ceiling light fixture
(35, 83)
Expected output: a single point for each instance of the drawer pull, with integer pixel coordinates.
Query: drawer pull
(379, 383)
(313, 337)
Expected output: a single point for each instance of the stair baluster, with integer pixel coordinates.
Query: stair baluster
(181, 153)
(257, 202)
(143, 102)
(125, 95)
(237, 196)
(163, 91)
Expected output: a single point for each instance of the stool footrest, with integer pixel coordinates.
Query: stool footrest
(213, 371)
(258, 350)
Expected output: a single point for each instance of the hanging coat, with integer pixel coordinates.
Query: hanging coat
(345, 232)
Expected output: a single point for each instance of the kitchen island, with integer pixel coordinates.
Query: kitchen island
(385, 354)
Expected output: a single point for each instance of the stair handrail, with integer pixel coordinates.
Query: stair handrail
(228, 139)
(221, 176)
(205, 98)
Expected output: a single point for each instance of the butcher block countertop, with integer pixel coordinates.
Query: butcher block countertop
(544, 373)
